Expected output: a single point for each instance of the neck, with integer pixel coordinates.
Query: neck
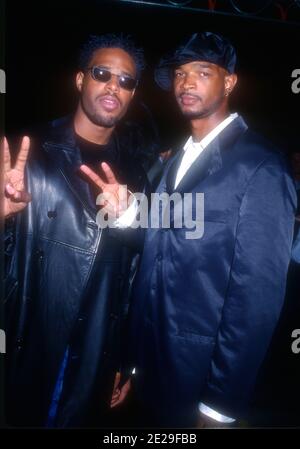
(202, 126)
(88, 130)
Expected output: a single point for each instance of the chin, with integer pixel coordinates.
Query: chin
(193, 114)
(105, 121)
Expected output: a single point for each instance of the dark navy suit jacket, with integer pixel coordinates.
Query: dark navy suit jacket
(204, 310)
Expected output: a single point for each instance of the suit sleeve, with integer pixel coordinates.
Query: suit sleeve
(256, 288)
(9, 248)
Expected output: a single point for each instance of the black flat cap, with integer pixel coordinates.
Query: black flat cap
(205, 46)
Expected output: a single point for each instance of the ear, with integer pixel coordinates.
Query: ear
(230, 82)
(79, 80)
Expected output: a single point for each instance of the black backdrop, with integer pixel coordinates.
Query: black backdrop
(41, 50)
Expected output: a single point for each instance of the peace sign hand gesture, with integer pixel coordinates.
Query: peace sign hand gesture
(115, 196)
(15, 197)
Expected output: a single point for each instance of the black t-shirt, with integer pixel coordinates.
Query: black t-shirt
(93, 154)
(123, 163)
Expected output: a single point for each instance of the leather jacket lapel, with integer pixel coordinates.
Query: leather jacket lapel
(68, 160)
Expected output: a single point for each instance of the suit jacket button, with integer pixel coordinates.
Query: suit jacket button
(39, 254)
(19, 343)
(52, 214)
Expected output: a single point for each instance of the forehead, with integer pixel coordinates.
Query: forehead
(197, 65)
(114, 58)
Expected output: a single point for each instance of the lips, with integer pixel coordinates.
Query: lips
(109, 102)
(188, 100)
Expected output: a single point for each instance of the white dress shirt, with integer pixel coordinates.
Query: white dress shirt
(193, 149)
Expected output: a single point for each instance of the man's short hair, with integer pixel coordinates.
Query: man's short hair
(125, 42)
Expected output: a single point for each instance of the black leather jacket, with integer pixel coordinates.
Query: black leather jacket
(52, 248)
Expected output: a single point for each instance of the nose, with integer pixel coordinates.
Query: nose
(188, 81)
(113, 84)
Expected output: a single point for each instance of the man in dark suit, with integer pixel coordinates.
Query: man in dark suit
(204, 309)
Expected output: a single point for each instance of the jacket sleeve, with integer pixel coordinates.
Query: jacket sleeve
(256, 288)
(9, 248)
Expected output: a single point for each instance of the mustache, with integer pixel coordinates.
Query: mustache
(181, 94)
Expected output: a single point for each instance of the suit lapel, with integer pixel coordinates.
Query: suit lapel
(199, 170)
(212, 157)
(172, 171)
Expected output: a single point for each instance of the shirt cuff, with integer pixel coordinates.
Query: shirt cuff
(214, 415)
(128, 217)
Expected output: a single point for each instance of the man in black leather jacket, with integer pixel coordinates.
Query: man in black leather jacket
(68, 281)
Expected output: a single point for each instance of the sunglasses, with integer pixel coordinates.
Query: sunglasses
(104, 75)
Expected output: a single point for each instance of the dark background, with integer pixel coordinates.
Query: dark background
(42, 39)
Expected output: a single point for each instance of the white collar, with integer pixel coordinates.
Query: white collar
(211, 135)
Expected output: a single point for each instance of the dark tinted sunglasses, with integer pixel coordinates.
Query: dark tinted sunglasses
(104, 75)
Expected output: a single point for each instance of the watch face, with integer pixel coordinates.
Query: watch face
(250, 7)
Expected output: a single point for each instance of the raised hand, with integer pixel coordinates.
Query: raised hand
(115, 195)
(15, 196)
